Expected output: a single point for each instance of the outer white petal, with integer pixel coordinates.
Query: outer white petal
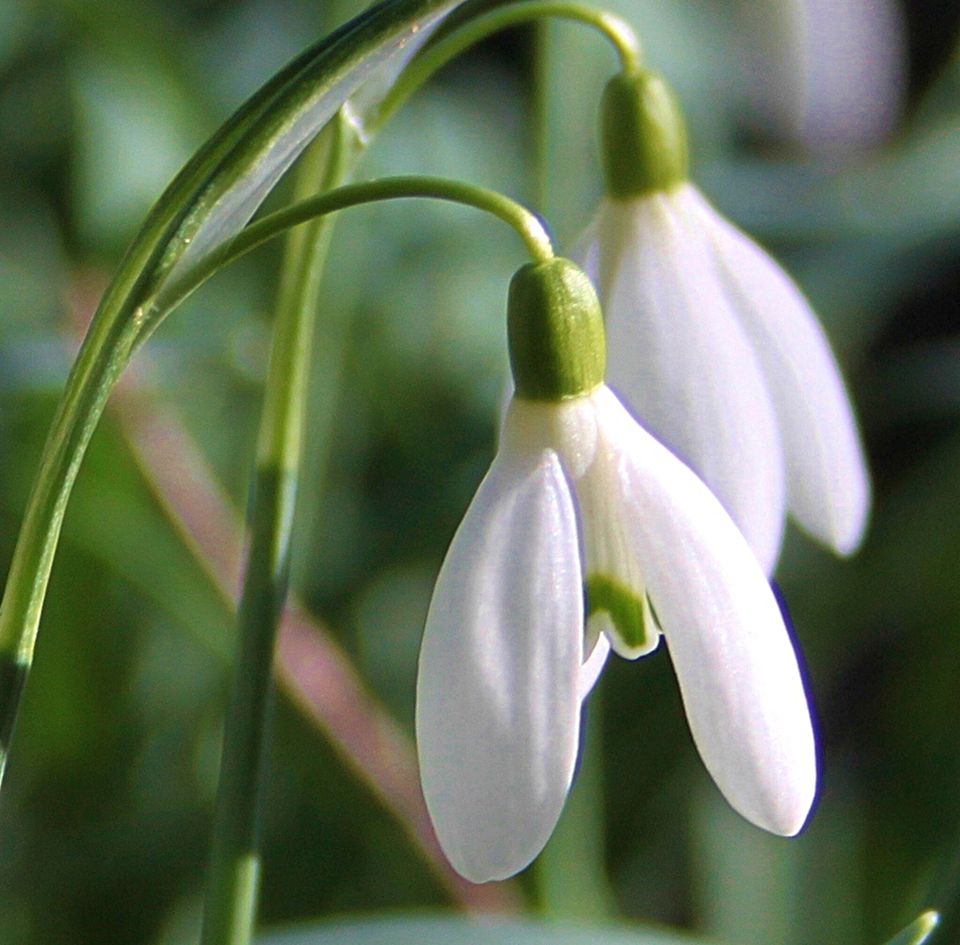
(498, 693)
(681, 360)
(733, 657)
(828, 487)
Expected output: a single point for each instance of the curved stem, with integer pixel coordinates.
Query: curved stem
(524, 221)
(328, 73)
(617, 31)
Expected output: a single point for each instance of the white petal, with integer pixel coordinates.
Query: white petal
(827, 76)
(681, 360)
(498, 693)
(828, 487)
(586, 250)
(593, 666)
(733, 656)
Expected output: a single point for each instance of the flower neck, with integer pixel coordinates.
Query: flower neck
(643, 135)
(555, 329)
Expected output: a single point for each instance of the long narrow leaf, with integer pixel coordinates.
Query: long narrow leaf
(284, 119)
(210, 200)
(442, 930)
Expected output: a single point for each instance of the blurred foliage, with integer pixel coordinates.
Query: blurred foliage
(105, 817)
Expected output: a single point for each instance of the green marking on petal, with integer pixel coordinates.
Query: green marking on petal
(627, 611)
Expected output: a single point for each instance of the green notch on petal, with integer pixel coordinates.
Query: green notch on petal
(628, 613)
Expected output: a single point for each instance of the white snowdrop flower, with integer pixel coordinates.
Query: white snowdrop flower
(580, 497)
(713, 345)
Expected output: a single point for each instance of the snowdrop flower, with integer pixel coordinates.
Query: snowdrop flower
(580, 497)
(712, 344)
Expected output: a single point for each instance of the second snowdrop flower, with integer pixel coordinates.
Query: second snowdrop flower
(580, 498)
(711, 342)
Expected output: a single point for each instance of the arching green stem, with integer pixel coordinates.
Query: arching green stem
(209, 193)
(526, 223)
(617, 31)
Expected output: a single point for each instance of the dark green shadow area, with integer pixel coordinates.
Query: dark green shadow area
(13, 675)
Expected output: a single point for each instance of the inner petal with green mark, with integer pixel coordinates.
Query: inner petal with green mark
(622, 614)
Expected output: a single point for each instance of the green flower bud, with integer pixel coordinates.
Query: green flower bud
(643, 136)
(555, 330)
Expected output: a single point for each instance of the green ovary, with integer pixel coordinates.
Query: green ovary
(625, 608)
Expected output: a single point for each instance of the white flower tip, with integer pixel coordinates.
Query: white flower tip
(789, 812)
(839, 515)
(631, 651)
(849, 521)
(622, 613)
(779, 796)
(490, 865)
(779, 804)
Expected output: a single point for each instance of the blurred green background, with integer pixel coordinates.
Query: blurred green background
(105, 816)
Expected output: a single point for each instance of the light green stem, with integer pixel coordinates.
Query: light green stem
(571, 873)
(617, 31)
(233, 883)
(526, 223)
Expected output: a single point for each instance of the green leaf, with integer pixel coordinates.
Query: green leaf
(211, 199)
(917, 931)
(466, 931)
(443, 930)
(245, 160)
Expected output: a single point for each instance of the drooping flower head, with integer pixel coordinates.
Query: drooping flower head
(712, 344)
(587, 533)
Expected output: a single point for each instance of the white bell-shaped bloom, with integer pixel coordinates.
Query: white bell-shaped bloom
(720, 355)
(579, 495)
(712, 345)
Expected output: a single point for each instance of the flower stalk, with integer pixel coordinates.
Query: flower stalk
(616, 31)
(527, 224)
(233, 883)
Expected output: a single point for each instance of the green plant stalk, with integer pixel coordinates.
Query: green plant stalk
(540, 115)
(233, 881)
(526, 223)
(571, 875)
(118, 327)
(617, 31)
